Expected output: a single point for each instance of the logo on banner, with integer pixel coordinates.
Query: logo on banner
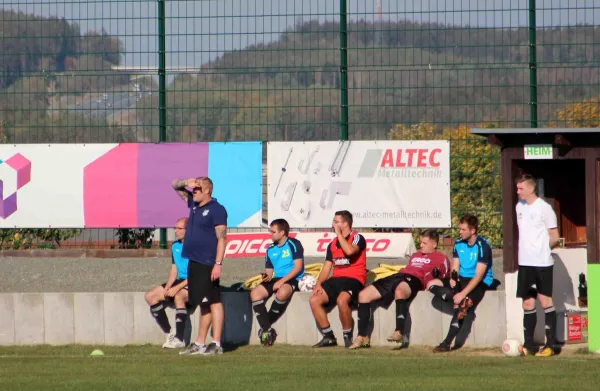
(15, 172)
(401, 163)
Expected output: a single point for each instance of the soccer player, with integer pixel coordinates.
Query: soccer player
(472, 262)
(175, 289)
(204, 246)
(347, 255)
(538, 234)
(284, 267)
(423, 267)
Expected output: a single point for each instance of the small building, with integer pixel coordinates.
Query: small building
(566, 163)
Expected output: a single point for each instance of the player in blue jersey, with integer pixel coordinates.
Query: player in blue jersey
(472, 275)
(175, 289)
(284, 267)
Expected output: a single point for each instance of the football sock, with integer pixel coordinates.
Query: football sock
(364, 316)
(261, 314)
(348, 333)
(158, 311)
(327, 332)
(529, 321)
(550, 326)
(455, 326)
(401, 314)
(441, 292)
(180, 318)
(276, 311)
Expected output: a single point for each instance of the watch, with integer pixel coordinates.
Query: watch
(218, 263)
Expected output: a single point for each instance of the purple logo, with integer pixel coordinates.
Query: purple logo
(15, 173)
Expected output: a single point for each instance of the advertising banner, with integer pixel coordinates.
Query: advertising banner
(379, 245)
(394, 184)
(124, 185)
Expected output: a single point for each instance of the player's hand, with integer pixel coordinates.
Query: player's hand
(317, 289)
(191, 183)
(277, 285)
(459, 297)
(337, 230)
(452, 283)
(166, 289)
(172, 292)
(216, 273)
(266, 277)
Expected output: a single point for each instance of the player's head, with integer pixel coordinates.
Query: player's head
(342, 219)
(202, 192)
(279, 229)
(180, 227)
(526, 187)
(468, 226)
(429, 240)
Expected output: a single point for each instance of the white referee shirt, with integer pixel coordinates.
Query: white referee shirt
(534, 221)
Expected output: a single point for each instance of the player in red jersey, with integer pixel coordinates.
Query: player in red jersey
(423, 267)
(347, 255)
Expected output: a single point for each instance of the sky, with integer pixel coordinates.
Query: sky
(199, 31)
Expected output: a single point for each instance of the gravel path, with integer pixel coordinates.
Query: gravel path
(126, 274)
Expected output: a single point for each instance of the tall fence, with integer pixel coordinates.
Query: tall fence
(272, 70)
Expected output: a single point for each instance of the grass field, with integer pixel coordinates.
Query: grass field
(283, 367)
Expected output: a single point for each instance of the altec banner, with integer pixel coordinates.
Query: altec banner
(402, 184)
(124, 185)
(379, 245)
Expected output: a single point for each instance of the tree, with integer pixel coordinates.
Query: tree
(474, 176)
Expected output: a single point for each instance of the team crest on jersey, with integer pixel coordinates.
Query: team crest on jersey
(205, 212)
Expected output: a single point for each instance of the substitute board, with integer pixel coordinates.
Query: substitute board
(395, 184)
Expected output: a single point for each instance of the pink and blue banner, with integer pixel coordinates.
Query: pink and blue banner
(124, 185)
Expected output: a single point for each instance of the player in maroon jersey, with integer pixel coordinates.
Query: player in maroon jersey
(424, 266)
(347, 255)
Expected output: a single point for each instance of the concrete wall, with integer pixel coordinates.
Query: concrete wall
(124, 318)
(568, 264)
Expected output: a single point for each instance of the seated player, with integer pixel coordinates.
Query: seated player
(284, 267)
(347, 255)
(423, 267)
(472, 260)
(175, 289)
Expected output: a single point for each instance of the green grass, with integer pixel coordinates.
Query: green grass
(289, 368)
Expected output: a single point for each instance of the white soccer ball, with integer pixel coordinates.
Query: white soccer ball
(512, 347)
(307, 283)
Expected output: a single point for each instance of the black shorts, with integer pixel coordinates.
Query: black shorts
(476, 294)
(387, 286)
(532, 280)
(202, 291)
(175, 283)
(269, 285)
(336, 285)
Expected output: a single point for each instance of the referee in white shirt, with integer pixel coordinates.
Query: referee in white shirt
(538, 234)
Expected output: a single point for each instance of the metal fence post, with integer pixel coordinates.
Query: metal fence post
(344, 69)
(162, 94)
(533, 108)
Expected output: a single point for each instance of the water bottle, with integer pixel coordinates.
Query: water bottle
(582, 299)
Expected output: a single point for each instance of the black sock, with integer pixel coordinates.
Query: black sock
(158, 311)
(180, 318)
(529, 321)
(347, 333)
(261, 314)
(364, 317)
(454, 329)
(441, 292)
(401, 314)
(276, 311)
(550, 326)
(327, 332)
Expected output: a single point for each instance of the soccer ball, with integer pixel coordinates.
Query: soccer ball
(307, 283)
(512, 348)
